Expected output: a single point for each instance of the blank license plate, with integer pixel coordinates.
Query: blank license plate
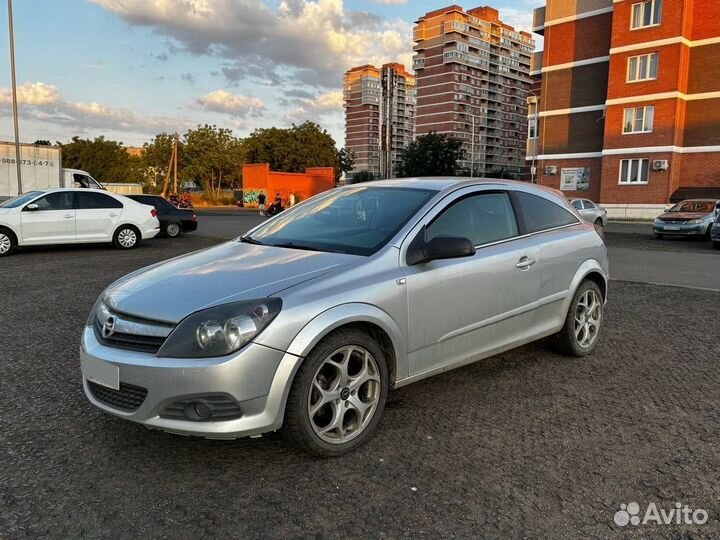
(671, 228)
(102, 373)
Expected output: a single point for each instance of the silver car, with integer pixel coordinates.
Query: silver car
(590, 211)
(307, 321)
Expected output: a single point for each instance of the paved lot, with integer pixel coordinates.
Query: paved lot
(527, 444)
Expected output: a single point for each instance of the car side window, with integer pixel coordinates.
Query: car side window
(482, 218)
(540, 214)
(89, 200)
(589, 205)
(61, 200)
(577, 204)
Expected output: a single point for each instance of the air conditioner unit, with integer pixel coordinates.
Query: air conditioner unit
(550, 170)
(660, 165)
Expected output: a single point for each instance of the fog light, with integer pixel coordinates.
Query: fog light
(197, 410)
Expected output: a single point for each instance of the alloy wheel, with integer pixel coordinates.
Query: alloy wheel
(173, 230)
(127, 238)
(588, 317)
(344, 396)
(5, 243)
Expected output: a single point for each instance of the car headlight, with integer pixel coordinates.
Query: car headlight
(658, 221)
(695, 221)
(220, 330)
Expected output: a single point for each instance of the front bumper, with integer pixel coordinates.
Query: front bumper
(680, 228)
(257, 378)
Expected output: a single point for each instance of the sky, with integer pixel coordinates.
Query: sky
(128, 69)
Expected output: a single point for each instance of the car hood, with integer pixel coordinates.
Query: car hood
(683, 216)
(230, 272)
(4, 211)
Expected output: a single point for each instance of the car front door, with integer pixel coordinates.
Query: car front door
(97, 216)
(465, 308)
(49, 219)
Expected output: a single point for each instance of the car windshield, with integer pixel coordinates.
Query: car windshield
(356, 220)
(705, 207)
(20, 199)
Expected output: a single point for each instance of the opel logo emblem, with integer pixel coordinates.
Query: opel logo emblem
(108, 328)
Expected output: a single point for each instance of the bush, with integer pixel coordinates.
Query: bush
(206, 199)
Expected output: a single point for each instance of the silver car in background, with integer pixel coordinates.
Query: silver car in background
(307, 321)
(692, 217)
(590, 211)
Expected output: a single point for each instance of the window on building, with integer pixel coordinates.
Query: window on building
(638, 120)
(648, 13)
(634, 171)
(643, 67)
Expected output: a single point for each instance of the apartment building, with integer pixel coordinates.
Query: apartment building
(630, 101)
(473, 79)
(379, 116)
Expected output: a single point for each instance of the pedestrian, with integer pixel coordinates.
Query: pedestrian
(261, 203)
(291, 200)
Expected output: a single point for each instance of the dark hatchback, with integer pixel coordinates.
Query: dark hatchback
(173, 220)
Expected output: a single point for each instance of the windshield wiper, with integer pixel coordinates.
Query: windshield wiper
(293, 245)
(251, 240)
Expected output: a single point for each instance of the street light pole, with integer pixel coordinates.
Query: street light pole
(536, 118)
(14, 97)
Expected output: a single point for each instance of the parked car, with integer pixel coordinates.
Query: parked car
(74, 216)
(174, 221)
(590, 211)
(715, 233)
(308, 320)
(693, 217)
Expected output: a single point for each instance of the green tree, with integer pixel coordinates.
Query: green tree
(431, 155)
(362, 176)
(105, 160)
(346, 160)
(156, 158)
(296, 148)
(214, 157)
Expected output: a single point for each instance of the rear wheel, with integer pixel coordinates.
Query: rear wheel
(8, 242)
(126, 237)
(338, 395)
(173, 230)
(583, 322)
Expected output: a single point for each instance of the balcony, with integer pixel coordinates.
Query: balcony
(536, 63)
(539, 20)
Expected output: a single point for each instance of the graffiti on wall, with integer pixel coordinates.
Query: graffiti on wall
(250, 197)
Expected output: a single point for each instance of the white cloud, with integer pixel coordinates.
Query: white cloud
(44, 102)
(316, 39)
(222, 101)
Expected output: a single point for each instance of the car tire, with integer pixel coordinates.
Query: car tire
(126, 237)
(708, 233)
(8, 242)
(173, 230)
(716, 244)
(658, 236)
(583, 324)
(599, 223)
(338, 395)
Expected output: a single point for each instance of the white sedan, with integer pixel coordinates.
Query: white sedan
(74, 216)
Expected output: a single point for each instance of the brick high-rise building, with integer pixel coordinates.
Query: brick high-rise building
(630, 108)
(379, 116)
(472, 83)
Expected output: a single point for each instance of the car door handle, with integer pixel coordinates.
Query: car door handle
(69, 216)
(525, 262)
(113, 214)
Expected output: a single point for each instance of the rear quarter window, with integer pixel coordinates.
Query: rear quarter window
(540, 214)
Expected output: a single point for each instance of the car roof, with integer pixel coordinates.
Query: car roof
(699, 200)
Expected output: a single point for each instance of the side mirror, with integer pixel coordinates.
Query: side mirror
(440, 247)
(32, 207)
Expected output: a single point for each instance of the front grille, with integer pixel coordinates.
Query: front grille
(221, 408)
(128, 398)
(132, 342)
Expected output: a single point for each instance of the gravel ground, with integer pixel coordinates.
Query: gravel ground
(528, 444)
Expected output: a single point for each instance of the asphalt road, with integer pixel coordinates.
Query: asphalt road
(528, 444)
(635, 254)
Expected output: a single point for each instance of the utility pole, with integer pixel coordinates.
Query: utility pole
(14, 97)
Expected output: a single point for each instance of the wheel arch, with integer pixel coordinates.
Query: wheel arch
(595, 272)
(128, 224)
(366, 317)
(11, 231)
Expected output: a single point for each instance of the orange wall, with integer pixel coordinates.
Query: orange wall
(258, 177)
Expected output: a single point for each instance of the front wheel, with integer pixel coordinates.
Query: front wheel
(338, 395)
(126, 237)
(658, 236)
(8, 242)
(716, 244)
(583, 323)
